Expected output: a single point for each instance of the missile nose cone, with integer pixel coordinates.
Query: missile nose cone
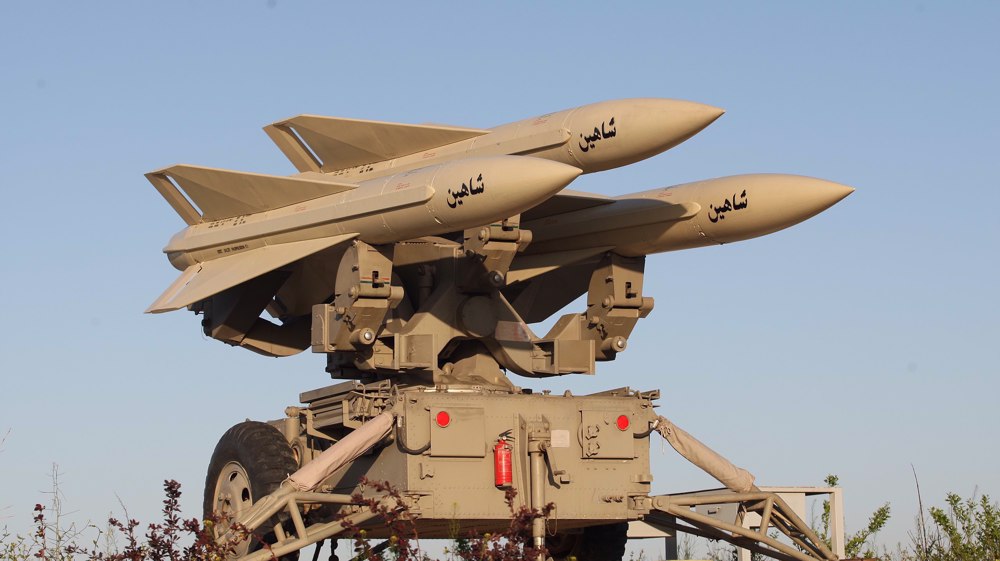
(531, 177)
(529, 181)
(821, 194)
(556, 175)
(616, 133)
(677, 120)
(741, 207)
(687, 118)
(838, 191)
(476, 191)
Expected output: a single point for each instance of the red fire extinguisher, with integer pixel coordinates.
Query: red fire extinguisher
(502, 469)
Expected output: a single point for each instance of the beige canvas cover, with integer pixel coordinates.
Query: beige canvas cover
(735, 478)
(346, 450)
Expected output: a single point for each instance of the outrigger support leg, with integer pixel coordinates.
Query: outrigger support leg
(676, 512)
(293, 504)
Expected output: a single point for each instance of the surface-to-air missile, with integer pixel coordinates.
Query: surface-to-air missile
(714, 211)
(416, 257)
(357, 250)
(433, 200)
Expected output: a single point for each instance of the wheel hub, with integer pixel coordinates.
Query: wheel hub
(232, 498)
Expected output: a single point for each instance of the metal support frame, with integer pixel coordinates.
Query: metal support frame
(537, 461)
(676, 512)
(673, 512)
(796, 499)
(292, 504)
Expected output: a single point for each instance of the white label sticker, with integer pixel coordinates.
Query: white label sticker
(560, 438)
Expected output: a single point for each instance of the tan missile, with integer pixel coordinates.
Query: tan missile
(697, 214)
(385, 182)
(592, 137)
(251, 224)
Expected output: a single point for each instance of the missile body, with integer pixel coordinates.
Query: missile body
(710, 212)
(425, 202)
(592, 137)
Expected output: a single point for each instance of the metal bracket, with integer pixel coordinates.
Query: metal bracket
(364, 297)
(489, 251)
(615, 303)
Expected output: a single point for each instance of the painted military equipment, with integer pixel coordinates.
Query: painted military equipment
(258, 241)
(710, 212)
(592, 138)
(416, 258)
(253, 223)
(572, 231)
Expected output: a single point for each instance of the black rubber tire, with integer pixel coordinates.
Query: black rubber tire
(264, 455)
(594, 543)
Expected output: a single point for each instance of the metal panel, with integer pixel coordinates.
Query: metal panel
(464, 435)
(601, 438)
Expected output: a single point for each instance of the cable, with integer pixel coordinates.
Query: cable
(401, 443)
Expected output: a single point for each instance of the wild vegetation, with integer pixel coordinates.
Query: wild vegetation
(964, 529)
(176, 538)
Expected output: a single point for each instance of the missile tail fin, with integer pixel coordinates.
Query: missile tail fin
(203, 280)
(203, 194)
(325, 144)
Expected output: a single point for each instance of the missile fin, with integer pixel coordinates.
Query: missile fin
(566, 201)
(220, 193)
(202, 280)
(316, 143)
(530, 267)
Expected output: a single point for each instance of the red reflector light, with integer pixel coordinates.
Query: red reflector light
(443, 419)
(622, 422)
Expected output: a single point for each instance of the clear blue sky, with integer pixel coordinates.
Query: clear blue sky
(858, 343)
